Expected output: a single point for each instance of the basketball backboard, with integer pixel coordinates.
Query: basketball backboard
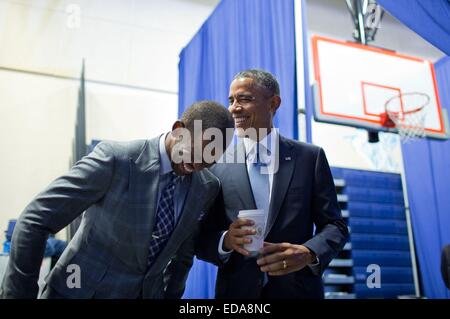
(354, 82)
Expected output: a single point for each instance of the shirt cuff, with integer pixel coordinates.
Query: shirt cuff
(224, 254)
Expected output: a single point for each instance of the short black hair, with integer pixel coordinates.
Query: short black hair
(212, 115)
(262, 78)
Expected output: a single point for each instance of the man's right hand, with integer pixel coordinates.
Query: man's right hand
(235, 237)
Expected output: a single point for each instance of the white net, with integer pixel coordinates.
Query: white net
(408, 112)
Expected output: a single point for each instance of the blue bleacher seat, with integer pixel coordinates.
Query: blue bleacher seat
(376, 210)
(378, 233)
(377, 226)
(386, 290)
(379, 242)
(382, 258)
(389, 275)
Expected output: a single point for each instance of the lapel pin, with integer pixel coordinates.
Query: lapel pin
(287, 158)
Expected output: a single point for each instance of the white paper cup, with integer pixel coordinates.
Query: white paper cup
(258, 216)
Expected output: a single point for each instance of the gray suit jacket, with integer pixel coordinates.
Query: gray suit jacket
(117, 186)
(303, 195)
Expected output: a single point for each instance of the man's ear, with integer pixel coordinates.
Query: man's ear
(177, 129)
(177, 124)
(276, 102)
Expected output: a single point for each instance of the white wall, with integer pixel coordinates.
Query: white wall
(116, 113)
(131, 47)
(131, 50)
(35, 136)
(346, 146)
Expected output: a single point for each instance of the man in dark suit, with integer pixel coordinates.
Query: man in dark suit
(296, 195)
(143, 200)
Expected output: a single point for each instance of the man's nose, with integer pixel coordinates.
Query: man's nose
(235, 108)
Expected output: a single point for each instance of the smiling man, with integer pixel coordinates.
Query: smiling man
(295, 197)
(143, 200)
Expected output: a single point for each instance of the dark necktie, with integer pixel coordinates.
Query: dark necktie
(165, 219)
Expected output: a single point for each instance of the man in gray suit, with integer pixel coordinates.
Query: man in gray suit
(143, 202)
(292, 183)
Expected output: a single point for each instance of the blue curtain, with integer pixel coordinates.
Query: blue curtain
(427, 162)
(428, 18)
(427, 168)
(201, 281)
(240, 34)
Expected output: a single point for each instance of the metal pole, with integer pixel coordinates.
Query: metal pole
(409, 225)
(302, 116)
(362, 38)
(361, 29)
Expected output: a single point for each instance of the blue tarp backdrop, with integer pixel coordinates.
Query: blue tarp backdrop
(427, 172)
(428, 18)
(242, 34)
(427, 163)
(239, 35)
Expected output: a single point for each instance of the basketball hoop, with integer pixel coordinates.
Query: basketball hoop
(406, 112)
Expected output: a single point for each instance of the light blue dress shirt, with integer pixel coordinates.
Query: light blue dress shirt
(266, 150)
(250, 152)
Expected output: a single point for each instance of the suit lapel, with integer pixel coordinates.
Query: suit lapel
(197, 195)
(281, 181)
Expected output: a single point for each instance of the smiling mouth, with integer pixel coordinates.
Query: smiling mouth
(239, 120)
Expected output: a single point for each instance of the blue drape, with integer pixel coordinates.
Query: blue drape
(427, 162)
(427, 168)
(201, 281)
(240, 34)
(428, 18)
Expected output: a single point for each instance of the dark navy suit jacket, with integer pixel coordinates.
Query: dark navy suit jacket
(303, 195)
